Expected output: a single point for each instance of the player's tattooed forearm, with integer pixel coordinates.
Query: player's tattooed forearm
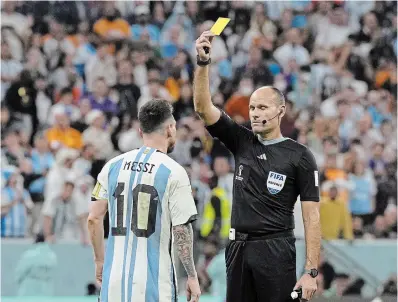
(183, 237)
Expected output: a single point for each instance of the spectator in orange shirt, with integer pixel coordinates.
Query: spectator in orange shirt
(237, 107)
(111, 27)
(61, 134)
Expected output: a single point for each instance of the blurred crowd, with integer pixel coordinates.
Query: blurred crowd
(74, 75)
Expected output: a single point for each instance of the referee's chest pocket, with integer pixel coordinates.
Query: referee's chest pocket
(242, 174)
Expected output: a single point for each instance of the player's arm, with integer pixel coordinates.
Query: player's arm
(183, 238)
(97, 211)
(182, 212)
(308, 182)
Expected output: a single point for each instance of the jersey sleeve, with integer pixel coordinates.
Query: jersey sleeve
(308, 179)
(100, 190)
(181, 203)
(229, 132)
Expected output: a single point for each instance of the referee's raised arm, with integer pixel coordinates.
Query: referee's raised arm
(209, 113)
(217, 122)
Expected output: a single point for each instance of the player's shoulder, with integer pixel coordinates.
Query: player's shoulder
(120, 157)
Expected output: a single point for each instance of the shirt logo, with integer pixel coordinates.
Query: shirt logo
(275, 182)
(239, 176)
(262, 156)
(316, 178)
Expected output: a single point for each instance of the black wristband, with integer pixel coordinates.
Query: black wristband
(202, 63)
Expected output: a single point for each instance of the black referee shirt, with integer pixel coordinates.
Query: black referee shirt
(269, 175)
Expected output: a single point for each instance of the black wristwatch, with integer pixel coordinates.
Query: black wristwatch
(312, 272)
(202, 63)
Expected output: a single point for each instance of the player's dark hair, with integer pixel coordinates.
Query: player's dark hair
(153, 114)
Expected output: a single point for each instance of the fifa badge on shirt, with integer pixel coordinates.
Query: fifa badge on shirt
(275, 182)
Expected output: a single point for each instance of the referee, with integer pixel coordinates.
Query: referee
(271, 171)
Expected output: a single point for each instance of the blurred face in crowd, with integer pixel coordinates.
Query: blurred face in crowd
(67, 98)
(386, 129)
(186, 92)
(5, 51)
(68, 191)
(293, 36)
(390, 215)
(255, 56)
(183, 132)
(246, 87)
(41, 144)
(344, 109)
(154, 74)
(12, 140)
(85, 107)
(192, 8)
(331, 161)
(324, 7)
(378, 151)
(380, 223)
(99, 121)
(339, 16)
(359, 168)
(62, 120)
(221, 166)
(333, 193)
(100, 88)
(357, 223)
(4, 116)
(175, 33)
(158, 12)
(265, 105)
(41, 84)
(8, 6)
(125, 69)
(364, 124)
(370, 22)
(88, 152)
(102, 51)
(13, 181)
(109, 10)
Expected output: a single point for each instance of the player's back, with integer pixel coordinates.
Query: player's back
(141, 188)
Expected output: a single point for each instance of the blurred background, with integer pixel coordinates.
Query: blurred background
(74, 75)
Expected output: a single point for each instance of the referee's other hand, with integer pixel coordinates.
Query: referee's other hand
(193, 289)
(203, 41)
(308, 287)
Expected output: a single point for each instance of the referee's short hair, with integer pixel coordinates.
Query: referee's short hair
(280, 96)
(153, 114)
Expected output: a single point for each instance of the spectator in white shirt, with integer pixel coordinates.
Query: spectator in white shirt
(102, 65)
(10, 68)
(97, 136)
(292, 50)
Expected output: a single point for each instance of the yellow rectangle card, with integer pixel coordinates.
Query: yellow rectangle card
(219, 26)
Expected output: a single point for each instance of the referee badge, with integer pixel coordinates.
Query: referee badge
(275, 182)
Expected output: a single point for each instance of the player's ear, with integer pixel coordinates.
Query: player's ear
(140, 131)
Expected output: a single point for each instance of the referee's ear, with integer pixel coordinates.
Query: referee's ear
(282, 111)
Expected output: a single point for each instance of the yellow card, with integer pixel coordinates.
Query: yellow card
(219, 26)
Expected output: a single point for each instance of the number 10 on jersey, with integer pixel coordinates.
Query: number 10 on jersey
(143, 217)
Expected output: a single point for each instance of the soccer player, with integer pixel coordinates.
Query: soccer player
(150, 202)
(271, 171)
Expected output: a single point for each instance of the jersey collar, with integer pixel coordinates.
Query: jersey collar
(271, 141)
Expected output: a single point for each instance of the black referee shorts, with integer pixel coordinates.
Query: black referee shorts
(261, 269)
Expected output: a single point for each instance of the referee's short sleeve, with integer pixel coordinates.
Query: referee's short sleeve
(181, 203)
(229, 132)
(308, 178)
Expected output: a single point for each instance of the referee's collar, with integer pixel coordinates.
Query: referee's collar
(271, 141)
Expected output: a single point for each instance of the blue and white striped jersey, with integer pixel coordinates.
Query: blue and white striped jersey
(147, 193)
